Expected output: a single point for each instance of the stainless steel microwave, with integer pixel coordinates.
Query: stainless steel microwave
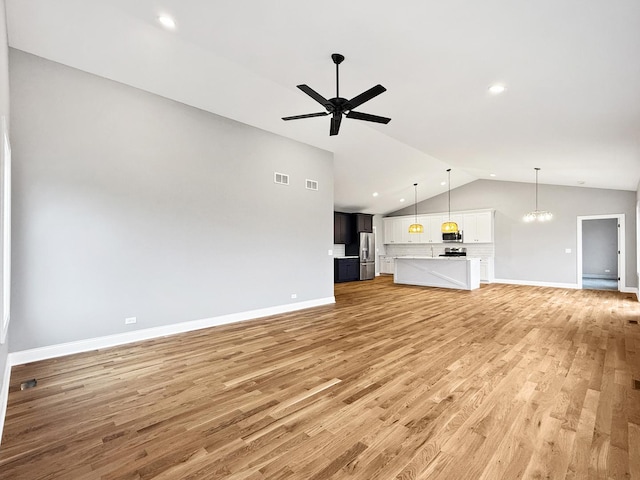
(452, 237)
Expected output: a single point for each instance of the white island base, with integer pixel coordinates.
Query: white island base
(445, 272)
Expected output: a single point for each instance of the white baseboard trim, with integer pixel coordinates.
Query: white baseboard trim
(81, 346)
(596, 275)
(558, 285)
(630, 290)
(533, 283)
(4, 395)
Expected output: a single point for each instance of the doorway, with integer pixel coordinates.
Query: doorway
(601, 252)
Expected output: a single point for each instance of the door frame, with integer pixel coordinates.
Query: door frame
(621, 247)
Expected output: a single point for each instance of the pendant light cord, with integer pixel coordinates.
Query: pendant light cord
(537, 169)
(449, 182)
(415, 186)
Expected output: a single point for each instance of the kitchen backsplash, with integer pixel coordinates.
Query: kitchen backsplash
(473, 250)
(338, 250)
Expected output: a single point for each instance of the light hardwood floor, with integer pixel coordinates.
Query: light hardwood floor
(505, 382)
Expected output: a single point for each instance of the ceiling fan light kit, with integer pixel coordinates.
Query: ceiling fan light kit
(538, 215)
(449, 226)
(338, 106)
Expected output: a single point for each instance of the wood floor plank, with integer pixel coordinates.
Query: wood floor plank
(502, 383)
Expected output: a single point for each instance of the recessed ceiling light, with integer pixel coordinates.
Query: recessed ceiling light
(375, 194)
(401, 200)
(497, 89)
(443, 183)
(167, 22)
(492, 174)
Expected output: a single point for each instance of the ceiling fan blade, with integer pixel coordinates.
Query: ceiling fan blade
(364, 97)
(315, 95)
(335, 123)
(308, 115)
(368, 117)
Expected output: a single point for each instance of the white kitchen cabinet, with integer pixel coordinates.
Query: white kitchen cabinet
(426, 236)
(410, 237)
(433, 228)
(387, 265)
(478, 227)
(388, 224)
(486, 269)
(396, 230)
(393, 230)
(484, 227)
(456, 217)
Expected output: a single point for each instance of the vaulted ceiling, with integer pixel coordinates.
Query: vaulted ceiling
(571, 70)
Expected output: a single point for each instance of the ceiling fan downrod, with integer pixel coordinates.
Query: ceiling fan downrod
(337, 59)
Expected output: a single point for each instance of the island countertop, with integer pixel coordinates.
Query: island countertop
(418, 257)
(445, 272)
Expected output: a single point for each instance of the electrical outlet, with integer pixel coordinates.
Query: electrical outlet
(567, 250)
(130, 320)
(607, 270)
(330, 252)
(294, 295)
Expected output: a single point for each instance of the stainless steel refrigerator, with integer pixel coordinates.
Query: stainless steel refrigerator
(367, 254)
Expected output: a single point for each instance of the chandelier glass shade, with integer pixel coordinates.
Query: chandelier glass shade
(449, 226)
(416, 227)
(538, 215)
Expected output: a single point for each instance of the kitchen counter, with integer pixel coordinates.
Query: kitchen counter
(461, 273)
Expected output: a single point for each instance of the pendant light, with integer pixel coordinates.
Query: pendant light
(416, 227)
(539, 215)
(449, 226)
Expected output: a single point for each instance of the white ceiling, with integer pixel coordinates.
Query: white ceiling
(571, 67)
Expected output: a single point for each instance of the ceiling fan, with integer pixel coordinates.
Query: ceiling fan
(338, 106)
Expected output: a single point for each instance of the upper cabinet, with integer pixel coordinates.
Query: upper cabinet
(363, 222)
(346, 226)
(396, 230)
(477, 227)
(392, 230)
(432, 228)
(342, 228)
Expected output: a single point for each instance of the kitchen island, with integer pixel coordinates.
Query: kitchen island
(445, 272)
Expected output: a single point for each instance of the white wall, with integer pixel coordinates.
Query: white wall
(535, 252)
(4, 111)
(638, 238)
(128, 204)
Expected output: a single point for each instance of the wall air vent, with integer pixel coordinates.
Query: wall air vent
(311, 184)
(281, 178)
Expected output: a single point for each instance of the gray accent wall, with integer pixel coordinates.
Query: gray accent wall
(535, 252)
(127, 204)
(600, 248)
(4, 111)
